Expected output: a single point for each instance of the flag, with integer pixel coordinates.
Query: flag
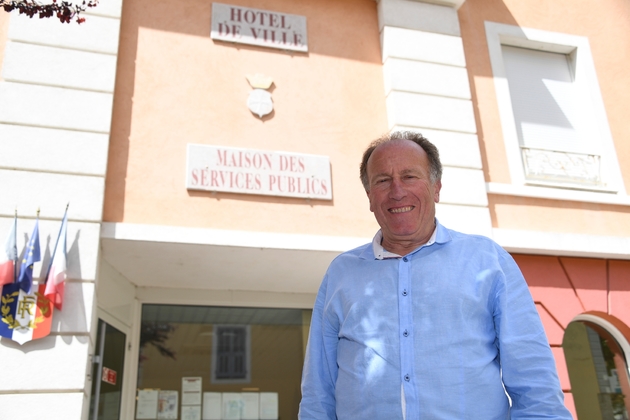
(24, 316)
(31, 256)
(9, 257)
(56, 276)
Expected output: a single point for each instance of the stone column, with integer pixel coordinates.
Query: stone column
(427, 90)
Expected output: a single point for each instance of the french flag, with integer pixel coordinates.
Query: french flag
(56, 278)
(9, 257)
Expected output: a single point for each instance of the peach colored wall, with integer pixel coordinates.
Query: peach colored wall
(606, 23)
(564, 287)
(537, 214)
(176, 86)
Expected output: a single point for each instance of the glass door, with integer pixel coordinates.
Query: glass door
(107, 373)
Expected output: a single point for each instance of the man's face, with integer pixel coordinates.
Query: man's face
(402, 196)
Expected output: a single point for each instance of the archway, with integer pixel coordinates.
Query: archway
(596, 347)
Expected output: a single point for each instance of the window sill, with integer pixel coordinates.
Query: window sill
(551, 193)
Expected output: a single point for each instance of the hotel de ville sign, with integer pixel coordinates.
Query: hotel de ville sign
(258, 27)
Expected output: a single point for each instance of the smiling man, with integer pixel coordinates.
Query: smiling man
(424, 322)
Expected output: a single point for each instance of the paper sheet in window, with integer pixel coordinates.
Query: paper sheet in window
(232, 403)
(211, 406)
(191, 412)
(191, 390)
(147, 404)
(268, 406)
(250, 406)
(167, 405)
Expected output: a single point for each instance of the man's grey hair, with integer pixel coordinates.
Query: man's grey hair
(428, 147)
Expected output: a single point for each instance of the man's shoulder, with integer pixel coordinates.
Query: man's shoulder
(361, 252)
(480, 248)
(457, 238)
(349, 263)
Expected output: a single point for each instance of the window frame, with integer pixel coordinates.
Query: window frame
(580, 59)
(215, 351)
(619, 337)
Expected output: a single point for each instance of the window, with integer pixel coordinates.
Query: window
(247, 361)
(553, 131)
(230, 354)
(554, 123)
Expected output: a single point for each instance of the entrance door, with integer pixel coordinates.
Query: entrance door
(107, 373)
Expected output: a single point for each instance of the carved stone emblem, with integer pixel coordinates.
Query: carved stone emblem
(259, 100)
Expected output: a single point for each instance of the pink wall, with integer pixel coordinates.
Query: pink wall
(565, 287)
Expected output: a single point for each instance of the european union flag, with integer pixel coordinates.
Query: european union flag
(31, 256)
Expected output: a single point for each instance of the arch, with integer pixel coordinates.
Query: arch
(612, 324)
(597, 347)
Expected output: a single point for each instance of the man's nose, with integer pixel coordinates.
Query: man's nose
(397, 190)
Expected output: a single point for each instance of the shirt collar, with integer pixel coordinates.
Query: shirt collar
(381, 253)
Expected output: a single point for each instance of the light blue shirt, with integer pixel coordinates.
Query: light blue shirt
(452, 323)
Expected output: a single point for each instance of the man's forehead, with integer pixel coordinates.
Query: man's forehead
(396, 148)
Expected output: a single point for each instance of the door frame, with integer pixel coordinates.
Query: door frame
(132, 342)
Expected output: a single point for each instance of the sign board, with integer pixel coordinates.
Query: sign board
(109, 376)
(258, 27)
(250, 171)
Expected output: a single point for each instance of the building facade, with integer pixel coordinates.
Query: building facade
(210, 153)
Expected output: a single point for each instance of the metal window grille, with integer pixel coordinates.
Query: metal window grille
(231, 353)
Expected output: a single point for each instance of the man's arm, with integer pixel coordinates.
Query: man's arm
(528, 367)
(320, 365)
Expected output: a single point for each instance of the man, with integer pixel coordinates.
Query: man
(424, 322)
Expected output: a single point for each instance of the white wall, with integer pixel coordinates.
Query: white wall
(56, 92)
(427, 90)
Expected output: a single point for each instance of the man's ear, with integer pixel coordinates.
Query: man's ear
(367, 192)
(437, 187)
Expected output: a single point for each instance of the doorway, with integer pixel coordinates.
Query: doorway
(107, 373)
(596, 355)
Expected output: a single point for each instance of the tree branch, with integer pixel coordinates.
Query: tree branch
(64, 11)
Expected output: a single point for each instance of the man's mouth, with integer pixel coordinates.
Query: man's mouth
(401, 209)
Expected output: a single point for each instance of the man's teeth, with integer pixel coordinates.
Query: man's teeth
(401, 209)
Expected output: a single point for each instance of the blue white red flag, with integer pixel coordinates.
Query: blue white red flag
(56, 277)
(31, 256)
(24, 316)
(8, 257)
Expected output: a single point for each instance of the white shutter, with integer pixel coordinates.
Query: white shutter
(550, 110)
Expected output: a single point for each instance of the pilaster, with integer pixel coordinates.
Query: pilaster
(56, 93)
(427, 90)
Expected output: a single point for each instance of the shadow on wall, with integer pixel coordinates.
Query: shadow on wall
(471, 21)
(347, 29)
(74, 316)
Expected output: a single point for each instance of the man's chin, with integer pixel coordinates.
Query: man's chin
(401, 235)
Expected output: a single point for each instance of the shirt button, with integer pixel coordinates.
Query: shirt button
(406, 333)
(404, 292)
(405, 259)
(407, 378)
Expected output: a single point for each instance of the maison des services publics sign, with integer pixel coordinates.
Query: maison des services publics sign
(258, 27)
(250, 171)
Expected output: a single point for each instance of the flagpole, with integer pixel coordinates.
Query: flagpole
(52, 257)
(15, 254)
